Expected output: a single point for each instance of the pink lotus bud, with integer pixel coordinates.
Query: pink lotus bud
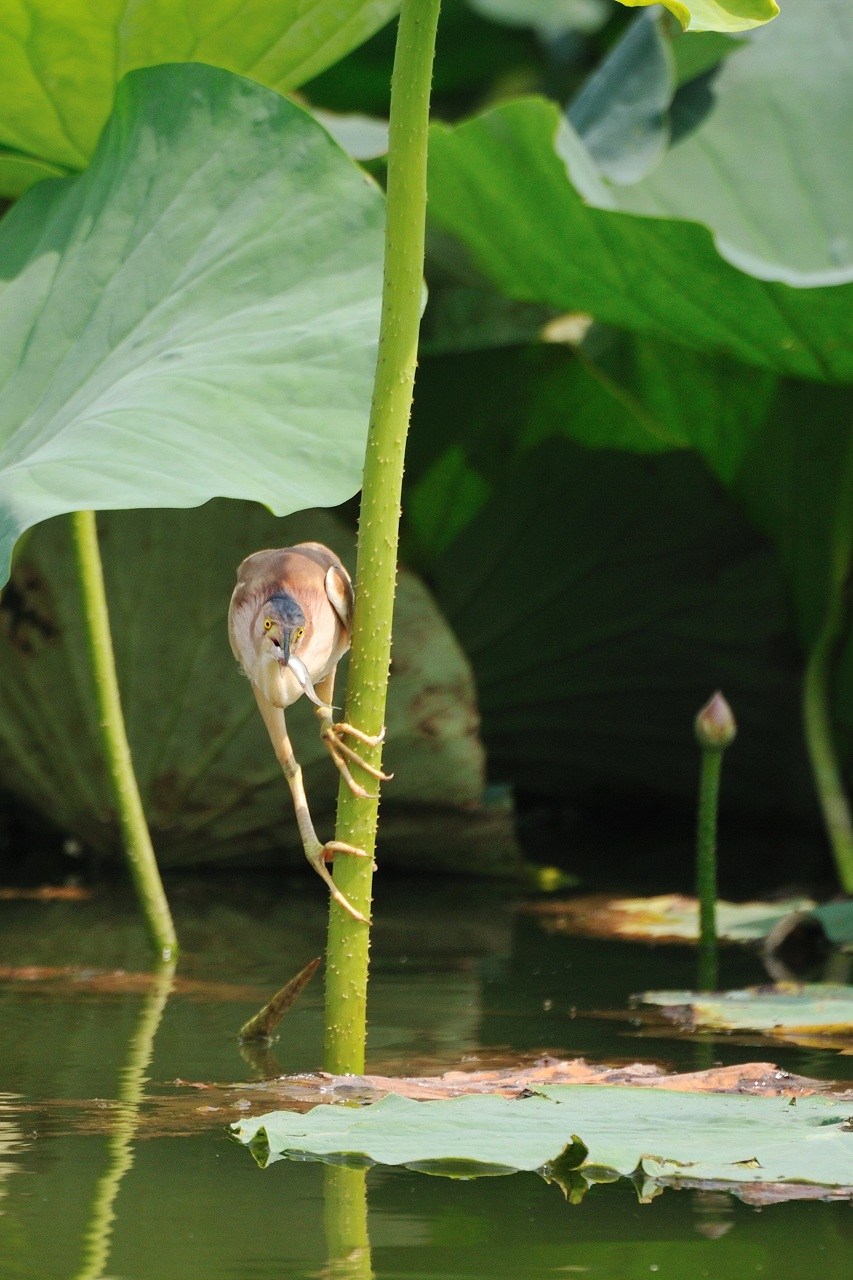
(715, 725)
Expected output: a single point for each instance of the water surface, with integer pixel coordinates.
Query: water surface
(459, 977)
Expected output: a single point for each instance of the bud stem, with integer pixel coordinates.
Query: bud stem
(706, 866)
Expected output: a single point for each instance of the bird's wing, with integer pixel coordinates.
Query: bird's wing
(340, 593)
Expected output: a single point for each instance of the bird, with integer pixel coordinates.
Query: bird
(289, 625)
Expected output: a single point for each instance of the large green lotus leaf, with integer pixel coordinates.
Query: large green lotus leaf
(677, 398)
(587, 15)
(18, 173)
(212, 788)
(716, 15)
(615, 391)
(195, 315)
(622, 112)
(776, 196)
(601, 597)
(60, 62)
(664, 1135)
(500, 184)
(785, 1009)
(783, 448)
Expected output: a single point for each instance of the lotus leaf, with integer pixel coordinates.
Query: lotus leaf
(669, 917)
(211, 785)
(599, 1132)
(716, 15)
(59, 64)
(500, 183)
(817, 1008)
(550, 17)
(777, 197)
(172, 331)
(639, 590)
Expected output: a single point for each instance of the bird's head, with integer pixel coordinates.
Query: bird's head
(280, 627)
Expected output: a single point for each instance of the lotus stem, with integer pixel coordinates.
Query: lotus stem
(820, 742)
(138, 850)
(817, 717)
(715, 729)
(378, 535)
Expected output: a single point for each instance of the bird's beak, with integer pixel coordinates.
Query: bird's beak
(297, 666)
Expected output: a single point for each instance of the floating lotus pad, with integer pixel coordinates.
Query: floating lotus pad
(670, 917)
(599, 1133)
(781, 1009)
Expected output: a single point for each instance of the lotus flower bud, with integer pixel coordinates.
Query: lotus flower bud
(715, 725)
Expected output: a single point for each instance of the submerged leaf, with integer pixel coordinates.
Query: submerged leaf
(669, 1137)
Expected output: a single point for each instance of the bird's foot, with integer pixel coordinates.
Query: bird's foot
(333, 735)
(323, 853)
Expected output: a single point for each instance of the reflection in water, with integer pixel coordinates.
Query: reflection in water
(11, 1139)
(132, 1081)
(345, 1221)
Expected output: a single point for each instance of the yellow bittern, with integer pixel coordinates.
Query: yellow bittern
(289, 625)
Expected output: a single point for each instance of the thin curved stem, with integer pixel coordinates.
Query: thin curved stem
(817, 716)
(138, 849)
(820, 741)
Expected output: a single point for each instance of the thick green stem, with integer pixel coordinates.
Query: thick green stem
(821, 747)
(137, 841)
(706, 866)
(376, 571)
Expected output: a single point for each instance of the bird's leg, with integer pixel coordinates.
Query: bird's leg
(332, 734)
(317, 853)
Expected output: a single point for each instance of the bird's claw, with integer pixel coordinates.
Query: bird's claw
(325, 853)
(340, 753)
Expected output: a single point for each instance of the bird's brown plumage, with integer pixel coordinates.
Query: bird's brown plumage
(315, 578)
(289, 624)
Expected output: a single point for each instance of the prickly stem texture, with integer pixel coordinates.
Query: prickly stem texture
(138, 849)
(348, 948)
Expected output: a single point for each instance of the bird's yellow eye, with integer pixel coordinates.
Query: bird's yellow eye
(267, 624)
(299, 633)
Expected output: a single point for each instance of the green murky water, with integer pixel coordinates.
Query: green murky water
(458, 975)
